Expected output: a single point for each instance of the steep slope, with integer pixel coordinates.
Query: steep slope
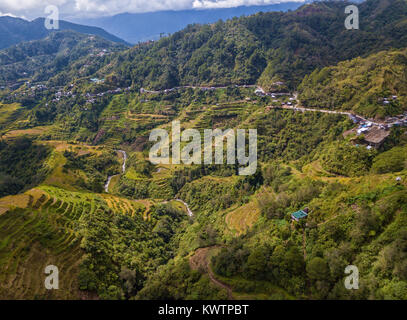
(45, 226)
(39, 60)
(372, 86)
(139, 27)
(136, 241)
(264, 48)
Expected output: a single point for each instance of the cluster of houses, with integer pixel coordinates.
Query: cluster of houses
(98, 52)
(39, 87)
(91, 97)
(261, 93)
(61, 94)
(374, 134)
(101, 53)
(31, 92)
(400, 120)
(142, 90)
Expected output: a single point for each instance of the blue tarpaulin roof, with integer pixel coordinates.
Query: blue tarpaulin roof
(300, 214)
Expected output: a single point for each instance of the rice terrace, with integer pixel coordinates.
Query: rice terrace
(203, 154)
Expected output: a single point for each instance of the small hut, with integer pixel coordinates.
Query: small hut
(299, 215)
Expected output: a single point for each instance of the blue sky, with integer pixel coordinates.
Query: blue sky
(30, 9)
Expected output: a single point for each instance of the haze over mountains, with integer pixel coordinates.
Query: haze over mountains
(16, 30)
(135, 27)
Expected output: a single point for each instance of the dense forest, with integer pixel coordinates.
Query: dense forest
(21, 165)
(264, 48)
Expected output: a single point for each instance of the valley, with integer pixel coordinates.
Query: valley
(78, 189)
(109, 178)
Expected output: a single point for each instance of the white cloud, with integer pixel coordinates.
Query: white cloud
(35, 8)
(205, 4)
(114, 6)
(7, 14)
(23, 5)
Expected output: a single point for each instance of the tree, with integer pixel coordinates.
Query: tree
(317, 269)
(257, 263)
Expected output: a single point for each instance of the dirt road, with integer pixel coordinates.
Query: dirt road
(200, 261)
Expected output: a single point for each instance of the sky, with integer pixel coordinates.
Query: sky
(31, 9)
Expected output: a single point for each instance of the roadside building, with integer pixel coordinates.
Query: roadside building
(259, 92)
(376, 136)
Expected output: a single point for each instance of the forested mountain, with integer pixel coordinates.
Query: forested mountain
(16, 30)
(78, 190)
(140, 27)
(39, 60)
(263, 48)
(371, 86)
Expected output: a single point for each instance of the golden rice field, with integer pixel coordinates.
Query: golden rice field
(243, 218)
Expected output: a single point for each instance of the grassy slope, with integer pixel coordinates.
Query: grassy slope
(360, 85)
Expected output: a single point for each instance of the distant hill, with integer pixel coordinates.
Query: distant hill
(16, 30)
(63, 53)
(140, 27)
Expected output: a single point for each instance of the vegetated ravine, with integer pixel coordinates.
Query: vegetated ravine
(109, 178)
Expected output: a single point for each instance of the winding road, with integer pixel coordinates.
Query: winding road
(200, 261)
(109, 178)
(303, 109)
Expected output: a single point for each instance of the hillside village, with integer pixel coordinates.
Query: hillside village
(370, 132)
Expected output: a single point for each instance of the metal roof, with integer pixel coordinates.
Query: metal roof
(300, 214)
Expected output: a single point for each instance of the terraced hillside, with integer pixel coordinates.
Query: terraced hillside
(62, 138)
(43, 227)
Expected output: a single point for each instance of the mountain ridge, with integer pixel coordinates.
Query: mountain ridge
(17, 30)
(263, 48)
(141, 27)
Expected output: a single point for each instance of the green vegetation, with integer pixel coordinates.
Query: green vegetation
(177, 281)
(266, 47)
(394, 160)
(361, 85)
(140, 240)
(55, 59)
(21, 165)
(97, 168)
(345, 159)
(122, 251)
